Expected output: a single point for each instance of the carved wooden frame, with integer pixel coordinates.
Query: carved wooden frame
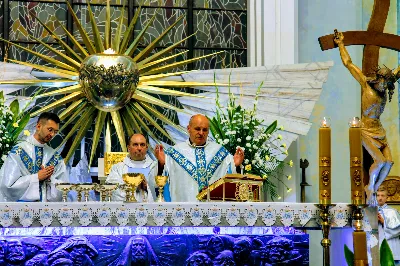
(392, 184)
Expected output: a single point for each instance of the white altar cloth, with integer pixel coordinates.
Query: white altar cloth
(210, 214)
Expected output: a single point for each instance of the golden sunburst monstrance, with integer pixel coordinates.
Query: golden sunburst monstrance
(107, 82)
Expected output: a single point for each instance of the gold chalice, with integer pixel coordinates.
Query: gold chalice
(65, 188)
(132, 180)
(161, 181)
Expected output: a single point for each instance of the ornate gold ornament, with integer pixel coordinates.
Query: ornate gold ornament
(325, 194)
(107, 82)
(355, 162)
(325, 177)
(324, 161)
(357, 177)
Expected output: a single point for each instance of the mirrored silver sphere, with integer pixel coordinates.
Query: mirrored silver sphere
(108, 80)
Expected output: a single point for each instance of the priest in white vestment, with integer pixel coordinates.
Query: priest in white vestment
(196, 163)
(137, 161)
(388, 224)
(32, 168)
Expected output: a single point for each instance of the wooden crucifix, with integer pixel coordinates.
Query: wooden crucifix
(377, 157)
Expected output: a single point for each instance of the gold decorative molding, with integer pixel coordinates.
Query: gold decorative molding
(325, 177)
(392, 184)
(324, 161)
(355, 162)
(111, 158)
(357, 177)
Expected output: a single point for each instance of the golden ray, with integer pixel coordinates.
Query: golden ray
(162, 91)
(126, 122)
(67, 112)
(130, 116)
(83, 120)
(82, 31)
(58, 39)
(146, 128)
(180, 84)
(152, 121)
(163, 51)
(57, 71)
(57, 52)
(120, 129)
(38, 82)
(151, 46)
(163, 118)
(108, 134)
(177, 64)
(73, 39)
(138, 38)
(96, 34)
(44, 57)
(70, 89)
(79, 136)
(66, 99)
(117, 37)
(107, 34)
(127, 34)
(156, 62)
(141, 96)
(97, 132)
(159, 76)
(76, 113)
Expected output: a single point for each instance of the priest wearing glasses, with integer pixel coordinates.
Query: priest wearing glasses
(194, 164)
(32, 168)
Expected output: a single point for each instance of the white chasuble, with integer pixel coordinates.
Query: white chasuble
(147, 167)
(19, 174)
(390, 229)
(190, 168)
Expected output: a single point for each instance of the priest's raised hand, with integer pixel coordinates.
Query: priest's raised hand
(238, 157)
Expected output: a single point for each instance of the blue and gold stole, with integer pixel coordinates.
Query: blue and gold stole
(34, 167)
(201, 173)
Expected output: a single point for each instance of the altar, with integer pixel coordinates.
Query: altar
(170, 233)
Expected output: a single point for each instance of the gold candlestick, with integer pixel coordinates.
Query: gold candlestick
(356, 174)
(359, 236)
(325, 186)
(325, 162)
(325, 216)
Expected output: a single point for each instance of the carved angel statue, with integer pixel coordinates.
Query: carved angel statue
(375, 92)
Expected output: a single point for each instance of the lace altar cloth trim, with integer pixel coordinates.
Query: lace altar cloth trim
(78, 214)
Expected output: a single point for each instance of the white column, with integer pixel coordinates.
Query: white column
(272, 32)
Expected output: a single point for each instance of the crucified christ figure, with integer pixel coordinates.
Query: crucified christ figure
(375, 92)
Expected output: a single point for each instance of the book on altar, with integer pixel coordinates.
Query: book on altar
(233, 187)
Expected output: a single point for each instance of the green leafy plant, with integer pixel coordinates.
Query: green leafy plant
(12, 123)
(234, 126)
(385, 253)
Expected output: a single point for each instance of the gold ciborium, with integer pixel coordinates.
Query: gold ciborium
(85, 188)
(161, 181)
(132, 181)
(106, 191)
(65, 188)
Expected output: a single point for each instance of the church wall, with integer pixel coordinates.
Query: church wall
(340, 100)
